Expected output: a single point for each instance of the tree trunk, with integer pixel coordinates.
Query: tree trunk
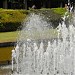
(25, 4)
(5, 4)
(44, 5)
(61, 5)
(49, 4)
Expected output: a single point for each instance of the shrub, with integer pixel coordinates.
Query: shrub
(10, 20)
(51, 15)
(60, 11)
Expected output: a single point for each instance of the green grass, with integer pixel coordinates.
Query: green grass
(12, 36)
(35, 35)
(8, 36)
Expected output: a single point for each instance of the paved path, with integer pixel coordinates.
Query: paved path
(5, 70)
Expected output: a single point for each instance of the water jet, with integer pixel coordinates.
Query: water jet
(34, 56)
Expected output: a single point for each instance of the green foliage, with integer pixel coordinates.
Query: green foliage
(60, 11)
(10, 20)
(51, 15)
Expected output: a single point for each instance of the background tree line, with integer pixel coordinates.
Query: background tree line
(25, 4)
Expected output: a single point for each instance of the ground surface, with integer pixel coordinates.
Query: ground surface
(5, 70)
(8, 36)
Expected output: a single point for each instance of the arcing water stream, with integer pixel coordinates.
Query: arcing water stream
(54, 57)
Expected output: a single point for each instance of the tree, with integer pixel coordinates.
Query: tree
(5, 4)
(25, 4)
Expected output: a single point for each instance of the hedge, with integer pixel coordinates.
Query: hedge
(52, 15)
(10, 20)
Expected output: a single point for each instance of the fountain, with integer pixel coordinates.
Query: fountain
(41, 55)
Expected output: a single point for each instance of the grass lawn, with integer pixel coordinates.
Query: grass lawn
(8, 36)
(35, 35)
(12, 36)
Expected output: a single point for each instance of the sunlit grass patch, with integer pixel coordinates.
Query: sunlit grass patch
(35, 35)
(8, 36)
